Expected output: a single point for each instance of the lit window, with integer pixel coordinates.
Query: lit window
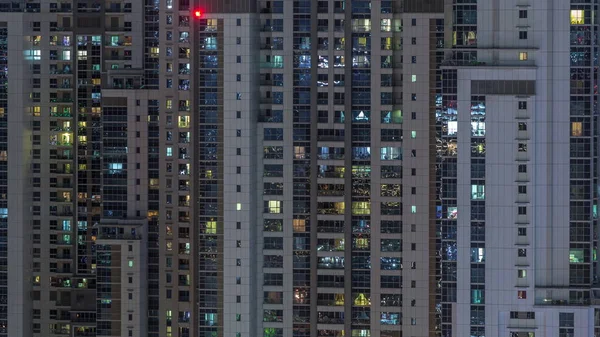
(413, 209)
(169, 151)
(521, 294)
(414, 78)
(273, 206)
(523, 56)
(477, 296)
(130, 263)
(576, 129)
(238, 206)
(386, 25)
(211, 227)
(577, 17)
(299, 225)
(521, 273)
(361, 208)
(577, 255)
(413, 134)
(477, 192)
(184, 121)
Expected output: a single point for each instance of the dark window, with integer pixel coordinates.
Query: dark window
(523, 35)
(523, 14)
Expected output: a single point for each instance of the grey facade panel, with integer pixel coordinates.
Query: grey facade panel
(228, 6)
(424, 6)
(503, 87)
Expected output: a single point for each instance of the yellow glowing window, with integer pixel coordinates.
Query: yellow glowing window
(340, 207)
(96, 81)
(386, 43)
(154, 51)
(299, 225)
(361, 208)
(576, 129)
(211, 227)
(361, 243)
(36, 111)
(577, 16)
(169, 104)
(361, 333)
(362, 300)
(362, 41)
(274, 206)
(184, 121)
(339, 299)
(169, 314)
(471, 38)
(169, 245)
(523, 56)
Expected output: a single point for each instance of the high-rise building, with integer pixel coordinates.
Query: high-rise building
(398, 168)
(299, 168)
(96, 171)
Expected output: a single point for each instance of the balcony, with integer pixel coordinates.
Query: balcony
(270, 119)
(59, 72)
(117, 9)
(272, 46)
(59, 29)
(61, 331)
(60, 143)
(118, 29)
(61, 10)
(122, 236)
(61, 100)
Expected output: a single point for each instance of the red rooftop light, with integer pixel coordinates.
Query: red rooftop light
(198, 14)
